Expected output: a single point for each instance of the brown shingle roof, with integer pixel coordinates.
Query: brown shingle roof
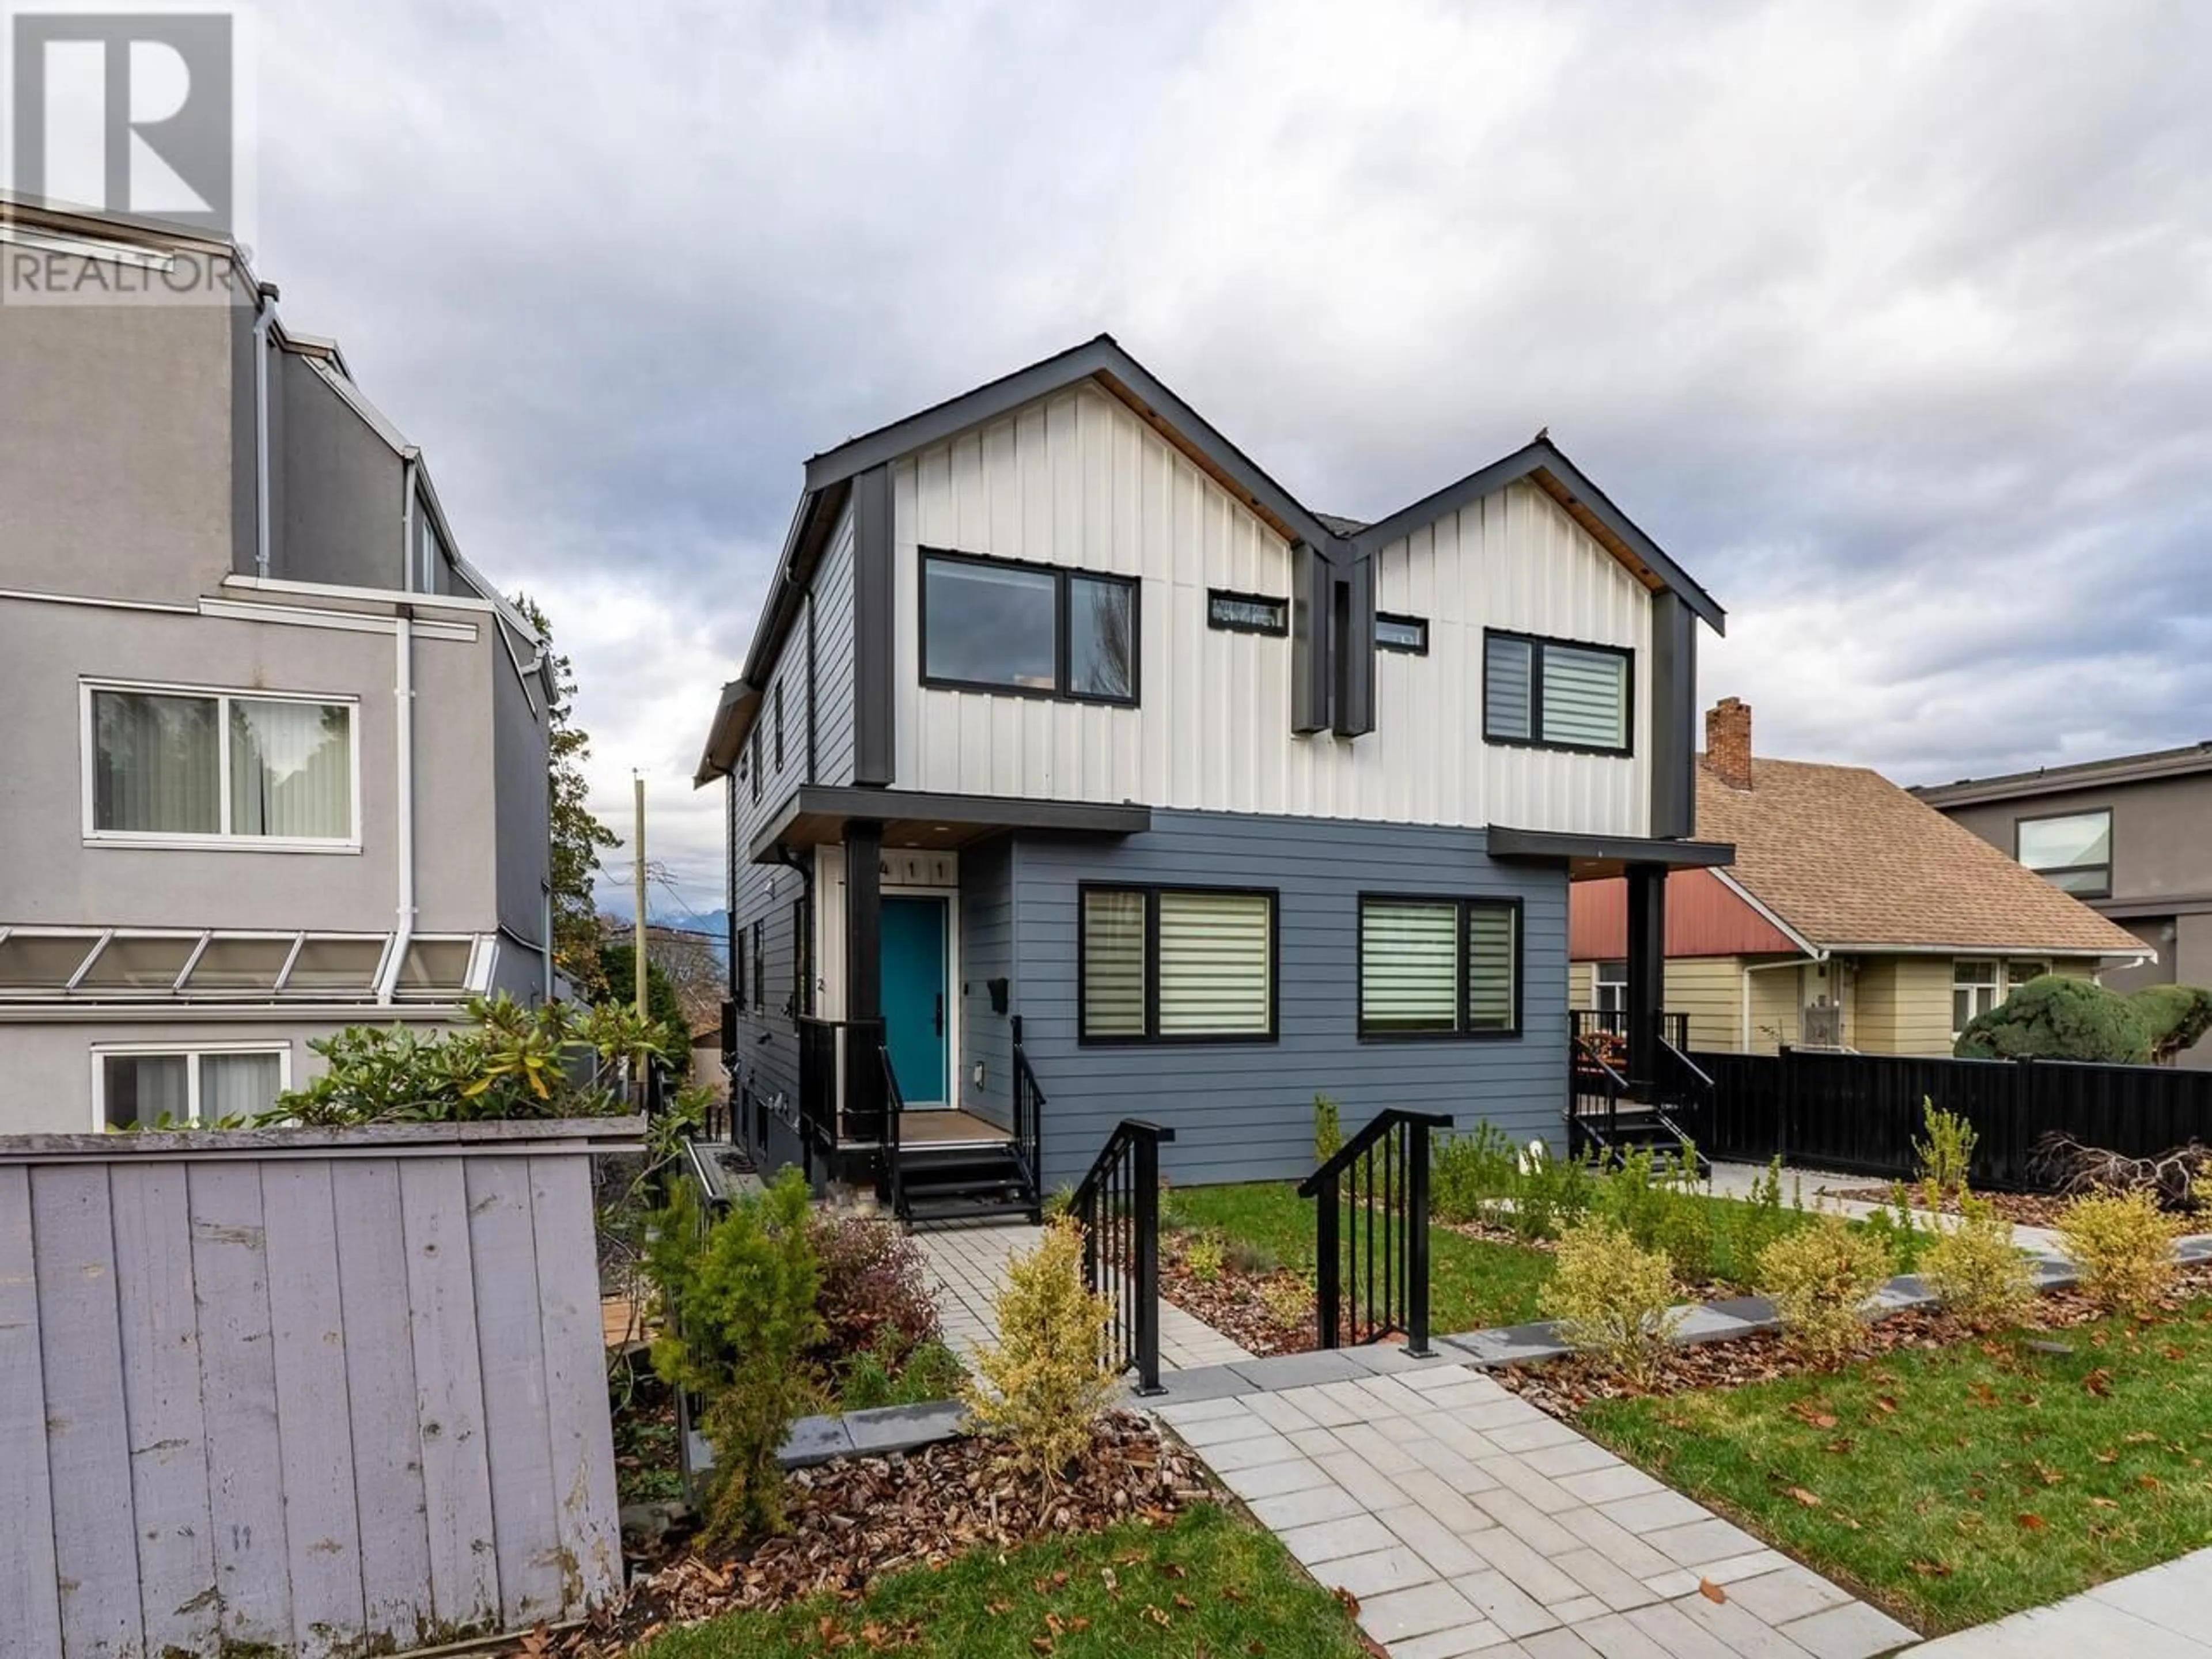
(1845, 857)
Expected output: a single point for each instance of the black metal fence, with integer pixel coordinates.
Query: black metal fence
(1858, 1113)
(1119, 1204)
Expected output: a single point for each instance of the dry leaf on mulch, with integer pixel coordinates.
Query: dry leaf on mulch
(2021, 1209)
(855, 1519)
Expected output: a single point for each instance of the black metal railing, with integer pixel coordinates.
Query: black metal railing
(1118, 1202)
(1595, 1090)
(841, 1100)
(1604, 1032)
(1371, 1233)
(890, 1184)
(1028, 1118)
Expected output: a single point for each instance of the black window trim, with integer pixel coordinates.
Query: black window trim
(1461, 904)
(1278, 630)
(1064, 577)
(1403, 621)
(1151, 1036)
(2048, 870)
(759, 780)
(777, 695)
(1537, 642)
(760, 968)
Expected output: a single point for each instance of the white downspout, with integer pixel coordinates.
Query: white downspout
(265, 300)
(407, 533)
(403, 811)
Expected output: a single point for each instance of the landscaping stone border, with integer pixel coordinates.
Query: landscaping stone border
(1720, 1321)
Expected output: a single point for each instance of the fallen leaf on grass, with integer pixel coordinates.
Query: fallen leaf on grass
(1185, 1602)
(2032, 1522)
(1810, 1500)
(1349, 1602)
(2147, 1482)
(1712, 1591)
(1158, 1616)
(1040, 1644)
(1932, 1569)
(2098, 1382)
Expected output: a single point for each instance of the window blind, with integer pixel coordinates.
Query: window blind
(1216, 966)
(1408, 965)
(1505, 689)
(1490, 960)
(1113, 963)
(1585, 697)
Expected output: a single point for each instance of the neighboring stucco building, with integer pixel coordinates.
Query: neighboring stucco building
(1072, 747)
(276, 754)
(1852, 917)
(2131, 837)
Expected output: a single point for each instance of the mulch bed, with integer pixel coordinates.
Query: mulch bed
(2021, 1209)
(1233, 1304)
(856, 1519)
(1564, 1387)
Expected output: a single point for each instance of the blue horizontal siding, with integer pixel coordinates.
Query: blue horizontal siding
(1244, 1111)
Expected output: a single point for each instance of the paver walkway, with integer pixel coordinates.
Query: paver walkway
(2161, 1613)
(967, 1265)
(1466, 1521)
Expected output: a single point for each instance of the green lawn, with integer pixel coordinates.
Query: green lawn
(1473, 1284)
(1959, 1485)
(1209, 1584)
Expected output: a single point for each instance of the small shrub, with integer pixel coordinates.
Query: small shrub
(1203, 1256)
(1970, 1263)
(1550, 1194)
(2124, 1246)
(2055, 1017)
(1613, 1300)
(1289, 1301)
(1819, 1276)
(1686, 1238)
(874, 1294)
(1328, 1130)
(740, 1320)
(1249, 1257)
(1943, 1160)
(1043, 1383)
(1470, 1175)
(1759, 1220)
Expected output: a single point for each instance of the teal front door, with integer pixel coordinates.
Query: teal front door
(915, 1014)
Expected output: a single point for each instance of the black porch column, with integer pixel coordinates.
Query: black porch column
(864, 976)
(1647, 967)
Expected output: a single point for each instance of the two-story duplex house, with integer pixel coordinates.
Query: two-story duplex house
(276, 755)
(1078, 771)
(2130, 838)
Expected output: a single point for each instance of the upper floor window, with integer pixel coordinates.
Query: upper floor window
(1034, 630)
(214, 767)
(1556, 694)
(2073, 853)
(1407, 633)
(1247, 613)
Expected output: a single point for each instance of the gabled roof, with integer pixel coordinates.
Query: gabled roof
(1847, 859)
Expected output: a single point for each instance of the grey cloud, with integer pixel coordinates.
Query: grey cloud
(1893, 321)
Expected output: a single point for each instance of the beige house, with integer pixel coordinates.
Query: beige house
(1854, 916)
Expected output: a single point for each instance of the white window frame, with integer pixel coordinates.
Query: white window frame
(1602, 981)
(224, 840)
(1994, 985)
(2012, 981)
(193, 1053)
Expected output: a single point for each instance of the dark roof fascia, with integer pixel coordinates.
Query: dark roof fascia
(1543, 456)
(1102, 356)
(2082, 776)
(967, 811)
(726, 736)
(1549, 845)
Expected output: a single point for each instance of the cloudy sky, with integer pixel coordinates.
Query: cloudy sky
(1892, 322)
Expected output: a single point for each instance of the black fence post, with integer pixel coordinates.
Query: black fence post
(1785, 1100)
(1328, 1270)
(1417, 1241)
(1148, 1265)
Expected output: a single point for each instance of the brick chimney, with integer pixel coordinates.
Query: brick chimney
(1728, 742)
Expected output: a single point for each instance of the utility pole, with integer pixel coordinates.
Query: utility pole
(637, 842)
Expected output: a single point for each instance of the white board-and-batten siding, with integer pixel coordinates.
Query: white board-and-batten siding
(1077, 480)
(325, 1401)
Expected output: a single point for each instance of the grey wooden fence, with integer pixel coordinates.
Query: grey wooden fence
(301, 1392)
